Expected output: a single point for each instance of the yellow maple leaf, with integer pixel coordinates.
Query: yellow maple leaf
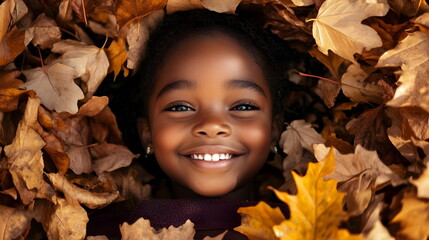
(117, 55)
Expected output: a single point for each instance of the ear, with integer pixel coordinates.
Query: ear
(144, 131)
(276, 127)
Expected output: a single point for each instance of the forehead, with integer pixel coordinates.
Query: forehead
(211, 55)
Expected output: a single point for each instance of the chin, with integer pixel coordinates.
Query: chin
(212, 191)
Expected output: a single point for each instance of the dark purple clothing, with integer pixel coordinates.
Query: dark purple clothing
(211, 217)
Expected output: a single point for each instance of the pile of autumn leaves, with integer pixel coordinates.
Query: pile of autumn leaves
(61, 147)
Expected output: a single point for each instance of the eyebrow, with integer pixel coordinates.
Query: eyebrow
(176, 85)
(245, 84)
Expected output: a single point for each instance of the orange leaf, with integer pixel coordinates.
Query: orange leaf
(9, 98)
(11, 45)
(130, 10)
(117, 55)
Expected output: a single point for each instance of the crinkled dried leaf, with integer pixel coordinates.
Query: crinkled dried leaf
(117, 54)
(355, 87)
(43, 32)
(359, 175)
(141, 229)
(422, 183)
(105, 127)
(19, 11)
(9, 98)
(225, 6)
(55, 86)
(317, 210)
(55, 149)
(89, 199)
(302, 3)
(110, 157)
(338, 27)
(11, 45)
(93, 107)
(218, 237)
(413, 216)
(24, 155)
(407, 8)
(182, 5)
(89, 62)
(257, 221)
(131, 10)
(9, 79)
(412, 55)
(14, 222)
(6, 9)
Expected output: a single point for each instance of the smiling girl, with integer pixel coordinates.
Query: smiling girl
(209, 96)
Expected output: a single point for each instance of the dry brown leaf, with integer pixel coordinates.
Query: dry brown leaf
(302, 3)
(257, 222)
(225, 6)
(359, 174)
(14, 222)
(62, 220)
(89, 62)
(43, 32)
(25, 161)
(338, 27)
(55, 86)
(331, 60)
(100, 237)
(422, 183)
(11, 45)
(407, 8)
(356, 89)
(9, 79)
(105, 127)
(109, 157)
(55, 149)
(413, 215)
(412, 55)
(6, 9)
(93, 107)
(142, 229)
(83, 196)
(117, 54)
(137, 35)
(9, 98)
(50, 121)
(131, 10)
(182, 5)
(19, 11)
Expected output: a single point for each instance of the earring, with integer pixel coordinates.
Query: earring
(274, 149)
(148, 151)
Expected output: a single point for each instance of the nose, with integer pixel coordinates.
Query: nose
(211, 126)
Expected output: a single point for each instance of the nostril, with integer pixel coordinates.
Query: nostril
(202, 133)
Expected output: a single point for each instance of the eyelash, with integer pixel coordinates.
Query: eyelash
(182, 107)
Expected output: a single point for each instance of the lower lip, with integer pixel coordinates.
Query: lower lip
(213, 164)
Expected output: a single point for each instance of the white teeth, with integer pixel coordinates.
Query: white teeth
(211, 157)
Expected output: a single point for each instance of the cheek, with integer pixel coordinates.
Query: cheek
(256, 135)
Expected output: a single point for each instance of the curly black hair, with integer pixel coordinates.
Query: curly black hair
(260, 43)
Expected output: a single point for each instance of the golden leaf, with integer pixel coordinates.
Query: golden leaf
(257, 222)
(14, 222)
(11, 45)
(317, 210)
(117, 55)
(141, 228)
(130, 10)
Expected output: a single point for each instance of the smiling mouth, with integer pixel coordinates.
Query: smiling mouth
(212, 157)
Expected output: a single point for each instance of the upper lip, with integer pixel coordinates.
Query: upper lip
(212, 149)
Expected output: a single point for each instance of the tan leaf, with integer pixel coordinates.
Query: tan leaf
(9, 79)
(422, 183)
(117, 54)
(105, 127)
(226, 6)
(137, 35)
(359, 175)
(24, 155)
(142, 229)
(218, 237)
(355, 87)
(302, 3)
(9, 98)
(11, 45)
(182, 5)
(110, 157)
(257, 222)
(19, 11)
(407, 8)
(331, 60)
(43, 32)
(55, 86)
(6, 9)
(93, 107)
(338, 27)
(14, 222)
(63, 220)
(89, 62)
(131, 10)
(412, 55)
(413, 215)
(100, 237)
(89, 199)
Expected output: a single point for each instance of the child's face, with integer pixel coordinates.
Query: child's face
(210, 101)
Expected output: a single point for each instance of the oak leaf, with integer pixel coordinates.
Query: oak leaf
(317, 210)
(359, 174)
(142, 229)
(11, 45)
(55, 86)
(117, 54)
(131, 10)
(413, 215)
(338, 27)
(412, 55)
(43, 32)
(25, 161)
(83, 196)
(257, 221)
(89, 62)
(14, 222)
